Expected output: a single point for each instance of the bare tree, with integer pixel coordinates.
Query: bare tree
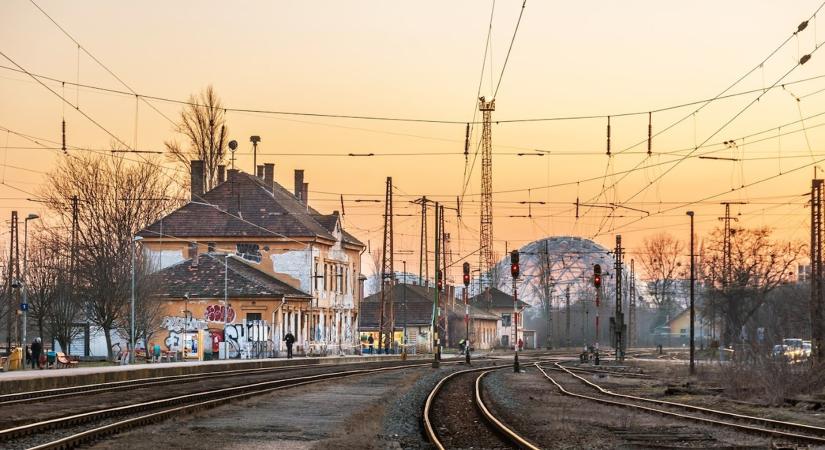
(148, 305)
(660, 257)
(116, 200)
(759, 265)
(203, 124)
(42, 280)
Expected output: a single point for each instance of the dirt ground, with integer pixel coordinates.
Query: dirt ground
(534, 407)
(330, 415)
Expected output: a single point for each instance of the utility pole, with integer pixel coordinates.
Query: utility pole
(631, 322)
(423, 261)
(692, 310)
(726, 244)
(618, 319)
(514, 271)
(13, 275)
(816, 271)
(466, 280)
(567, 314)
(443, 268)
(434, 331)
(546, 279)
(597, 283)
(386, 274)
(487, 259)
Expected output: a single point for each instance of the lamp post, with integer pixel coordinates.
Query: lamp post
(692, 310)
(135, 240)
(25, 305)
(185, 322)
(225, 301)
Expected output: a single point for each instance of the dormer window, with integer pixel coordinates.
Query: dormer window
(249, 252)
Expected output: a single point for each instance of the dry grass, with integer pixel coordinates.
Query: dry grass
(767, 380)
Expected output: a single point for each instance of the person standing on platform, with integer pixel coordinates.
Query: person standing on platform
(289, 339)
(371, 341)
(36, 349)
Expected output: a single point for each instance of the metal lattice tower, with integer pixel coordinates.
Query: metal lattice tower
(816, 269)
(618, 319)
(423, 261)
(631, 321)
(387, 325)
(487, 258)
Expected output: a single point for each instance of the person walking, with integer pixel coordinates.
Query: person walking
(371, 341)
(289, 339)
(36, 349)
(520, 345)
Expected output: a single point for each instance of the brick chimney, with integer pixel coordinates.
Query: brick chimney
(260, 171)
(299, 183)
(193, 253)
(221, 173)
(269, 174)
(196, 181)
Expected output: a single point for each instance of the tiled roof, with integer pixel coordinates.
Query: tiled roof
(496, 299)
(475, 313)
(419, 306)
(245, 206)
(206, 280)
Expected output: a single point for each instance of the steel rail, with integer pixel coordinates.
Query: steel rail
(495, 422)
(253, 388)
(44, 394)
(429, 429)
(716, 412)
(738, 426)
(113, 428)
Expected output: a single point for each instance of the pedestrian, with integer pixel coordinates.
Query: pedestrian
(461, 345)
(371, 341)
(289, 339)
(36, 349)
(156, 353)
(520, 345)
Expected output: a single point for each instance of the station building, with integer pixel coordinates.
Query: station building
(501, 305)
(260, 256)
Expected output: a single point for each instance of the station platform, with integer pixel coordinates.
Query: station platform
(37, 379)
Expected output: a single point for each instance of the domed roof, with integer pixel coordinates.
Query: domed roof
(570, 259)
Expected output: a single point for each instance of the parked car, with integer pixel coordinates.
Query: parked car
(806, 349)
(778, 351)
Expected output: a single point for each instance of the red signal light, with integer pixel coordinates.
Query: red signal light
(440, 281)
(514, 267)
(466, 268)
(597, 280)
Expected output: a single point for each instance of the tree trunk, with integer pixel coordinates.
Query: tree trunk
(107, 331)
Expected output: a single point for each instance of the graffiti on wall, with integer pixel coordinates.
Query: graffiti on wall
(214, 313)
(244, 339)
(179, 327)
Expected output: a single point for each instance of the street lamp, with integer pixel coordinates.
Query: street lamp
(692, 311)
(25, 305)
(135, 240)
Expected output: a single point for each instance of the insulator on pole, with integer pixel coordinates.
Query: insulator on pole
(608, 135)
(458, 206)
(64, 136)
(649, 133)
(343, 212)
(577, 207)
(467, 143)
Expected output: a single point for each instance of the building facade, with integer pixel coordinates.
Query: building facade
(296, 270)
(503, 307)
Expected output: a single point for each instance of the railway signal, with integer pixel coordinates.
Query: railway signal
(597, 282)
(514, 271)
(597, 276)
(514, 267)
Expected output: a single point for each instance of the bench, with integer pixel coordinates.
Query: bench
(65, 361)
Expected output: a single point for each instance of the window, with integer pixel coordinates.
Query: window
(326, 271)
(683, 331)
(505, 320)
(315, 282)
(249, 252)
(253, 316)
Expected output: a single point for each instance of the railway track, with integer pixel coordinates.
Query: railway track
(774, 428)
(56, 393)
(475, 426)
(107, 421)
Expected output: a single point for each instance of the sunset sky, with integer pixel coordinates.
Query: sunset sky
(423, 60)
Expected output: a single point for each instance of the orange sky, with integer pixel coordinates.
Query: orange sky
(423, 60)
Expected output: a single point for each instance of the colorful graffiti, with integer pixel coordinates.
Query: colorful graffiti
(215, 313)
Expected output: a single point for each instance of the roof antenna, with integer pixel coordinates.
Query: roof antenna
(233, 145)
(254, 140)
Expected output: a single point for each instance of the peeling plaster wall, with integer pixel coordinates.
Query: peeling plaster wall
(295, 263)
(161, 259)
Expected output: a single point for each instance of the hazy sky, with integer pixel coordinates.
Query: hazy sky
(423, 60)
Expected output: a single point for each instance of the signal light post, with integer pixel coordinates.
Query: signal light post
(466, 279)
(597, 282)
(514, 271)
